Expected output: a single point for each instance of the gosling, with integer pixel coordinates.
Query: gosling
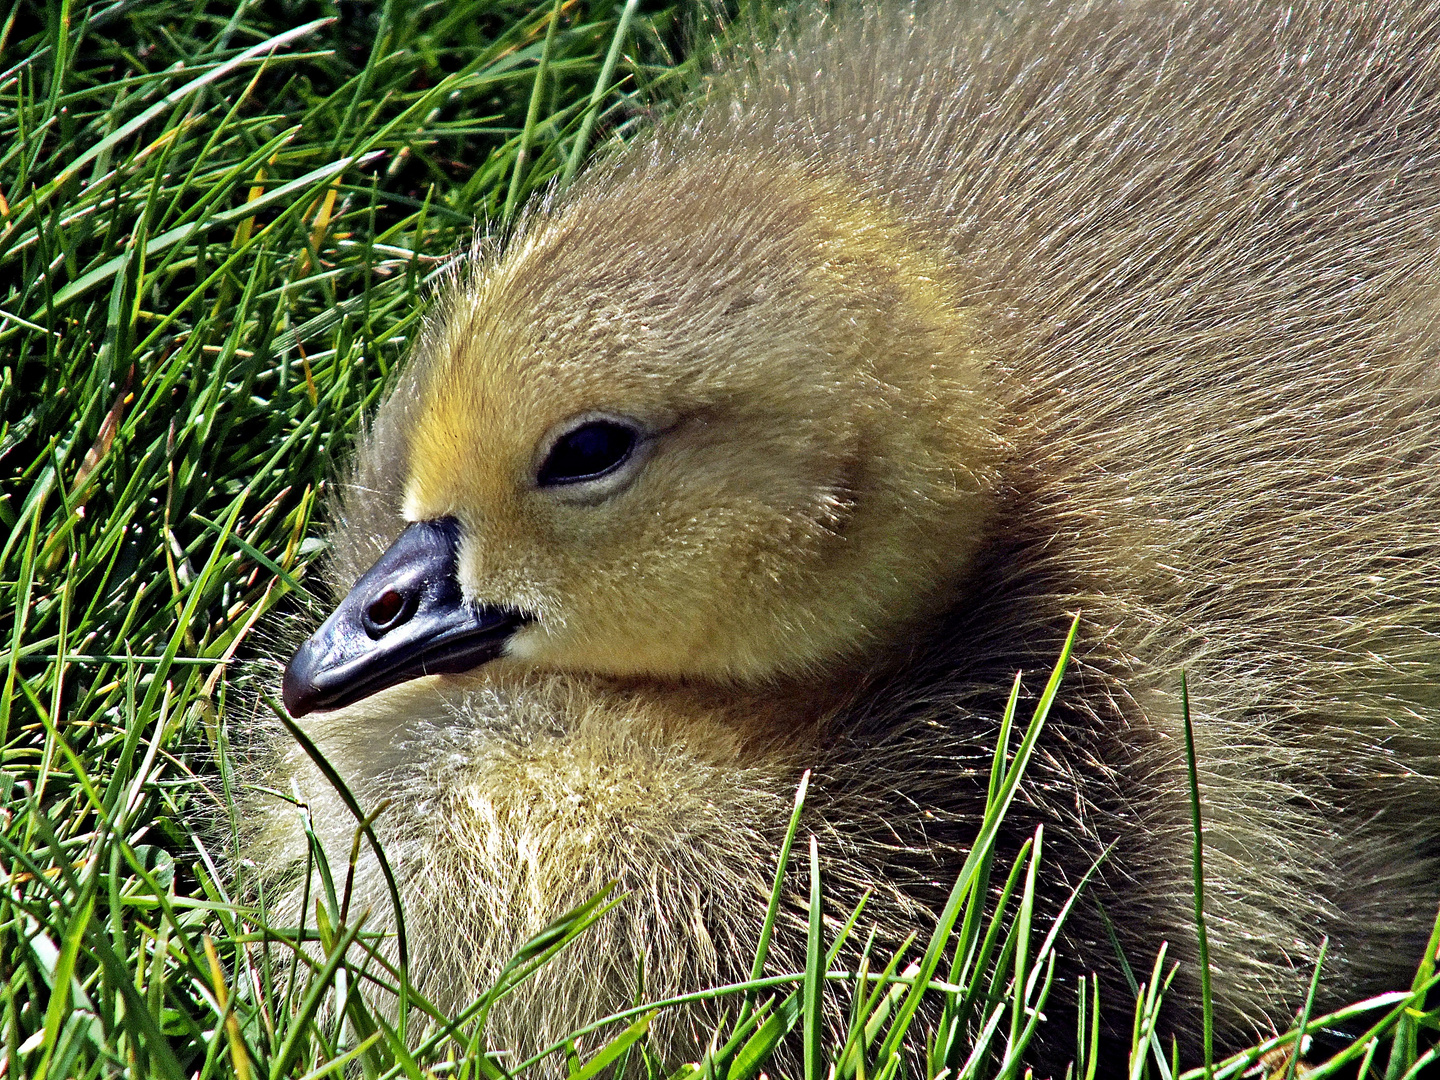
(789, 434)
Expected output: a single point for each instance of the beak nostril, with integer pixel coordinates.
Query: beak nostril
(384, 612)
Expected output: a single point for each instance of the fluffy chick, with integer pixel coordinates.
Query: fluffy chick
(785, 437)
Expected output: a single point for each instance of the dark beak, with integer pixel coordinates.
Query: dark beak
(405, 618)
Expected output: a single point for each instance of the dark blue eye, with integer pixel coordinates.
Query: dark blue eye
(588, 453)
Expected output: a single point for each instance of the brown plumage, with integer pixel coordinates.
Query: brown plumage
(927, 330)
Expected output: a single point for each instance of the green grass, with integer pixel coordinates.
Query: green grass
(219, 228)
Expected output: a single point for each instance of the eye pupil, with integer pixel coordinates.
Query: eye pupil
(588, 452)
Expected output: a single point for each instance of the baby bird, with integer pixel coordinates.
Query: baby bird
(789, 434)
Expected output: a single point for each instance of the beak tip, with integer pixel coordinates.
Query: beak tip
(297, 689)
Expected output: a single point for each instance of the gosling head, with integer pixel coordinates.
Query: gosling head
(708, 420)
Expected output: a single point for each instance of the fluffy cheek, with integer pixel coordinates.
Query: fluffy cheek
(710, 595)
